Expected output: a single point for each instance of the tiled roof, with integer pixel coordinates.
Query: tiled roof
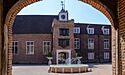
(42, 24)
(33, 24)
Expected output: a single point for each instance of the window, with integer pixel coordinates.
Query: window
(77, 30)
(29, 47)
(46, 47)
(77, 43)
(106, 55)
(15, 47)
(90, 43)
(90, 55)
(106, 43)
(105, 31)
(64, 31)
(90, 30)
(63, 42)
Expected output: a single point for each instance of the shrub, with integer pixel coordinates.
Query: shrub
(49, 54)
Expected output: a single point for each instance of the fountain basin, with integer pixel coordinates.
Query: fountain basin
(68, 68)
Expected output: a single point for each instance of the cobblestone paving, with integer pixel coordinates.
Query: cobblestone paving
(101, 69)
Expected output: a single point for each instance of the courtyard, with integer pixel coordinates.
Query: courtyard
(103, 69)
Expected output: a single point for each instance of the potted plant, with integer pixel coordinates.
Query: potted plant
(49, 54)
(49, 57)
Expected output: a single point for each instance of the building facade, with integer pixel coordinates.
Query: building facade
(34, 36)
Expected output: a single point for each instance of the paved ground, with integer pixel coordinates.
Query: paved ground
(101, 69)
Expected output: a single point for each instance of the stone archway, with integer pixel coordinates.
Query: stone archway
(23, 3)
(65, 51)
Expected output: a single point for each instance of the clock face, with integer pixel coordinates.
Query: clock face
(63, 16)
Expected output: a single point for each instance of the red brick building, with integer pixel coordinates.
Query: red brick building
(36, 35)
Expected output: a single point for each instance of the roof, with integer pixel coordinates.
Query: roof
(97, 28)
(42, 24)
(33, 24)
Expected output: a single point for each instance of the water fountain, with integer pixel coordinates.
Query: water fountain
(79, 62)
(69, 67)
(78, 57)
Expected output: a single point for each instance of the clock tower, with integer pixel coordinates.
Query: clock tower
(63, 37)
(63, 14)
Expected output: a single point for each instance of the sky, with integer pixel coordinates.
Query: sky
(79, 11)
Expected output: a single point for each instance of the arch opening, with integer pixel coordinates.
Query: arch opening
(21, 4)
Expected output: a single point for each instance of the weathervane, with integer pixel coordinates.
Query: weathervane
(63, 4)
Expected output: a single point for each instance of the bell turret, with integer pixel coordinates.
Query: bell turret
(63, 14)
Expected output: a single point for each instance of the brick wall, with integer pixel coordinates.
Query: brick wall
(98, 47)
(38, 56)
(122, 37)
(58, 24)
(98, 41)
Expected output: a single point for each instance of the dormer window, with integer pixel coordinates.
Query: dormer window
(106, 31)
(77, 30)
(90, 30)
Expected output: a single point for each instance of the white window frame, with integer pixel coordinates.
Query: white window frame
(77, 30)
(90, 30)
(90, 43)
(106, 31)
(44, 52)
(106, 55)
(91, 55)
(30, 53)
(77, 43)
(106, 44)
(16, 46)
